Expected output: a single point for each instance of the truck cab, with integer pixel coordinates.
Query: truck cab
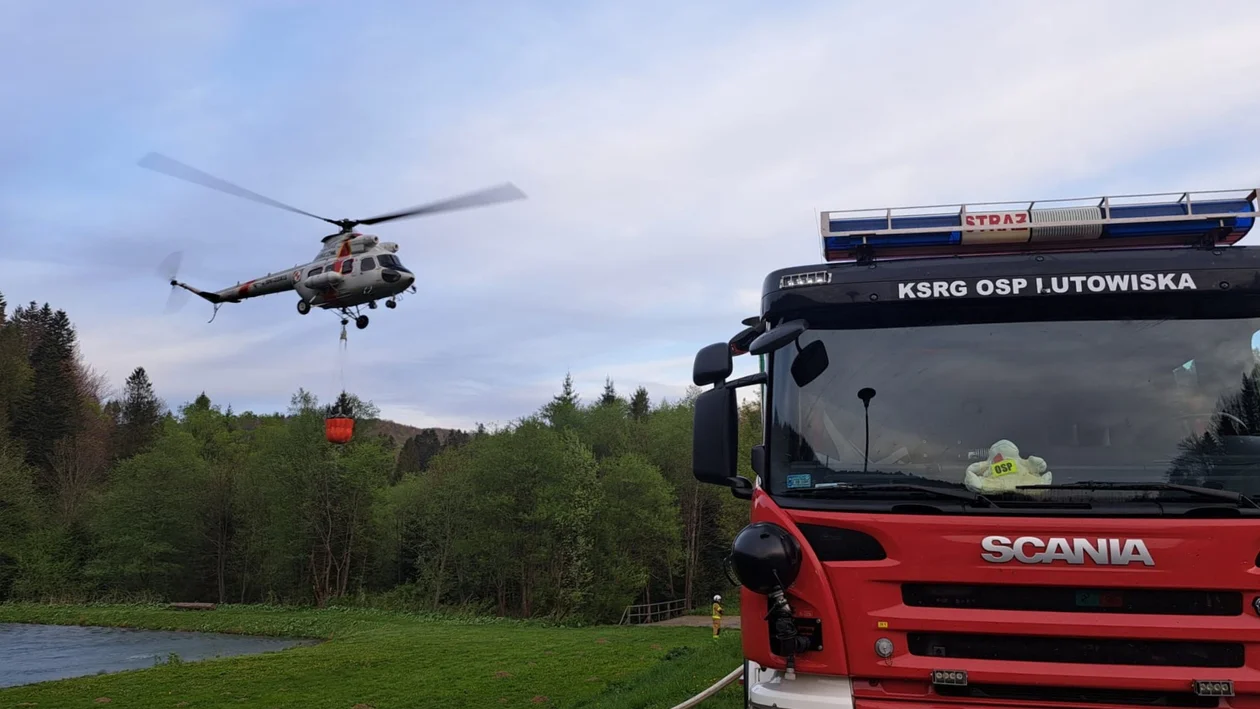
(1011, 459)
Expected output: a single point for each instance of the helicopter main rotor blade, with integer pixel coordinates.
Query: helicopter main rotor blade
(175, 168)
(491, 195)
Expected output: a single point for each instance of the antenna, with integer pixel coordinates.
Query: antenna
(866, 394)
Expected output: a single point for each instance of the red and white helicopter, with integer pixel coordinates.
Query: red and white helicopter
(352, 269)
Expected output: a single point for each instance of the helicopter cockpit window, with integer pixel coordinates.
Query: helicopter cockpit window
(391, 261)
(347, 266)
(367, 264)
(314, 271)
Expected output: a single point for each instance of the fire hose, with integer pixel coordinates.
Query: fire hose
(717, 687)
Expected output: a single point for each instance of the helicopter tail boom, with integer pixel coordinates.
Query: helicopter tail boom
(212, 297)
(267, 285)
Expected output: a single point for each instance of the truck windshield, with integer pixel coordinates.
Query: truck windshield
(997, 406)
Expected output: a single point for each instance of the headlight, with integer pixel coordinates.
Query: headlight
(765, 557)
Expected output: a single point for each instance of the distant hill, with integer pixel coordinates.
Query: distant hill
(401, 431)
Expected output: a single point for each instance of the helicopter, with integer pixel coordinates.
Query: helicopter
(351, 269)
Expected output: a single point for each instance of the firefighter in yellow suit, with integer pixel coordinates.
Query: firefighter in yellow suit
(717, 616)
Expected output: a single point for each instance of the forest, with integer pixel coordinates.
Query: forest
(569, 513)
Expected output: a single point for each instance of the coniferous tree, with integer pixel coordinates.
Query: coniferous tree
(33, 321)
(350, 405)
(15, 374)
(562, 410)
(639, 404)
(416, 453)
(610, 393)
(141, 413)
(456, 439)
(48, 412)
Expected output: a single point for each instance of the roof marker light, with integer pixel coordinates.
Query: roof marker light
(813, 278)
(1219, 217)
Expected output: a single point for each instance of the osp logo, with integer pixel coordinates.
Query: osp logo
(1034, 550)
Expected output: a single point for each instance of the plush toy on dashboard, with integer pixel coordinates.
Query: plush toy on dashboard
(1005, 470)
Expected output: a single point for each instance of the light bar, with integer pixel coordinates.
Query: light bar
(1214, 688)
(1219, 217)
(956, 678)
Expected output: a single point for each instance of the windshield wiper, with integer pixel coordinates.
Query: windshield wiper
(1204, 492)
(972, 497)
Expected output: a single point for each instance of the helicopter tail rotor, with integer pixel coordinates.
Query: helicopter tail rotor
(168, 270)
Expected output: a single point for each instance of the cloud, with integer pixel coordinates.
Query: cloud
(672, 156)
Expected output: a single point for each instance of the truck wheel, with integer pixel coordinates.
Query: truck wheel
(304, 307)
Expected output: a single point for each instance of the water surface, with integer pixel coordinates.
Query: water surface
(38, 653)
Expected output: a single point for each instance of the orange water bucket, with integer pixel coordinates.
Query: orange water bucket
(338, 429)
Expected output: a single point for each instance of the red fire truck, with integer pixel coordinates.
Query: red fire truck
(1011, 459)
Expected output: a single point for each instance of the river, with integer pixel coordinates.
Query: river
(39, 653)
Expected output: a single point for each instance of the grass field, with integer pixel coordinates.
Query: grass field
(389, 660)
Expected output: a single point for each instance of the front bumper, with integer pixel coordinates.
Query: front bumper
(770, 689)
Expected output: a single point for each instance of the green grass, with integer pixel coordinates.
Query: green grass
(384, 660)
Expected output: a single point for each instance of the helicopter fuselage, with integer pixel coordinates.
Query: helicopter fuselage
(350, 270)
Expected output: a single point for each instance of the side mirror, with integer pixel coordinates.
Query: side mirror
(784, 334)
(715, 439)
(713, 364)
(810, 363)
(741, 342)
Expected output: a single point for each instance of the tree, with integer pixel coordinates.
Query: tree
(562, 410)
(456, 438)
(15, 371)
(140, 414)
(609, 397)
(19, 516)
(351, 405)
(639, 404)
(49, 409)
(416, 453)
(337, 494)
(637, 534)
(147, 523)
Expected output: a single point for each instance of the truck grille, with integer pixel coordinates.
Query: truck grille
(1094, 651)
(1066, 599)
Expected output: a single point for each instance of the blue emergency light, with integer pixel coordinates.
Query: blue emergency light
(1219, 217)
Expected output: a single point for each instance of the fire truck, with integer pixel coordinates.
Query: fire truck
(1011, 458)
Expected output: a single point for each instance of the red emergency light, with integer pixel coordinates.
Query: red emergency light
(1216, 218)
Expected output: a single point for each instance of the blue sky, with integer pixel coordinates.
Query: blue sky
(672, 156)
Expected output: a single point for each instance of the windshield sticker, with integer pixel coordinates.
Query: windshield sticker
(1050, 285)
(799, 481)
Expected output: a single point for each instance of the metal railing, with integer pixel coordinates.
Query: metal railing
(652, 612)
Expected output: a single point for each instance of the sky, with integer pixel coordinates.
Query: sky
(672, 154)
